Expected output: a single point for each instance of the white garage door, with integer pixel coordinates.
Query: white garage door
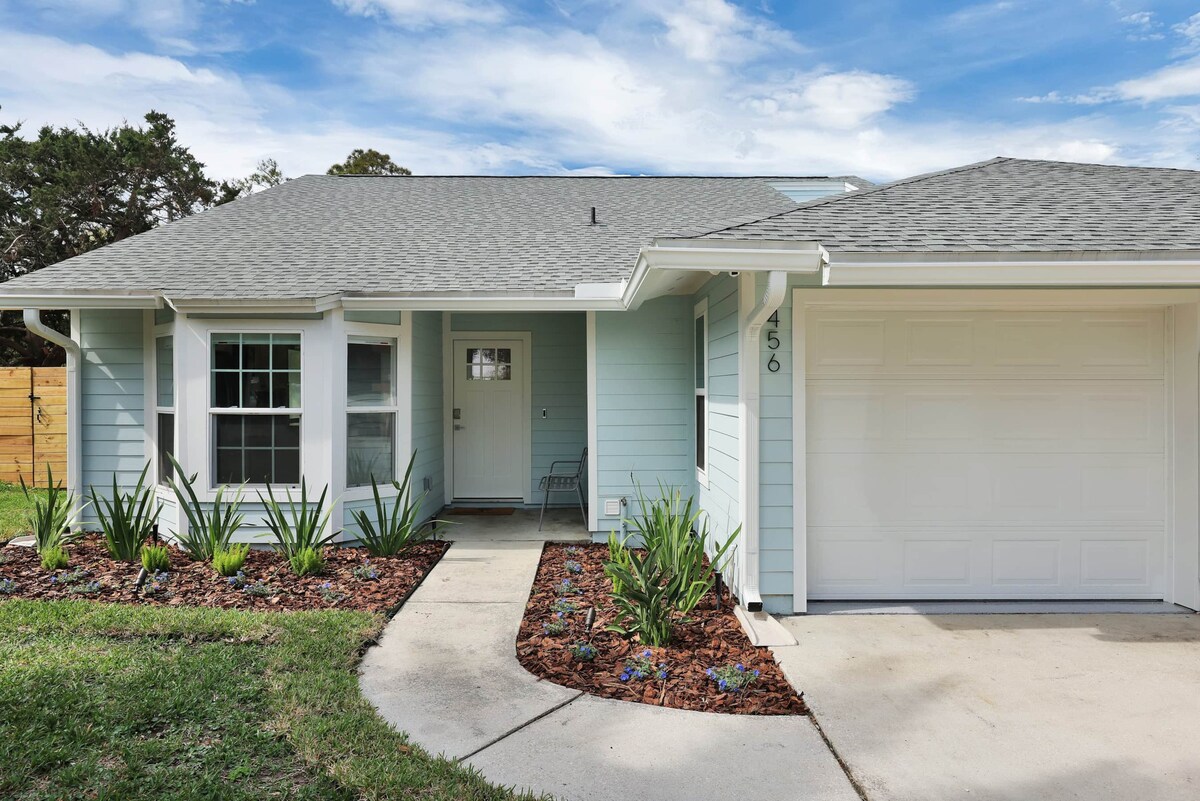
(985, 454)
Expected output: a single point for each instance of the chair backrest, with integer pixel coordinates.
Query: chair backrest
(582, 465)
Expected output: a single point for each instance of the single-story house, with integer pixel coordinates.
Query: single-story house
(980, 383)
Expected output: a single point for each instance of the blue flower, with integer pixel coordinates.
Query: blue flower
(645, 654)
(740, 667)
(624, 677)
(756, 674)
(722, 684)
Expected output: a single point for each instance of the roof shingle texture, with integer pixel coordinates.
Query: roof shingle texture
(320, 234)
(1001, 205)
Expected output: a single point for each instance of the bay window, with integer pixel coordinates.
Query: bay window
(255, 408)
(371, 408)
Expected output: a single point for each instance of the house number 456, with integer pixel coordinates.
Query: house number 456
(773, 342)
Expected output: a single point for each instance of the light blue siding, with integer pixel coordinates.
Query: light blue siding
(559, 384)
(720, 498)
(644, 403)
(428, 434)
(112, 392)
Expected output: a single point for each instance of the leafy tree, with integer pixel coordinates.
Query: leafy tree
(265, 175)
(368, 162)
(71, 190)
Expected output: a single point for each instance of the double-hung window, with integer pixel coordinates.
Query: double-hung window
(370, 411)
(256, 408)
(701, 384)
(164, 404)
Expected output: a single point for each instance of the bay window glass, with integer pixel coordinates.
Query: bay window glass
(371, 411)
(256, 408)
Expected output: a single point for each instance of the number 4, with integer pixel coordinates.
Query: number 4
(774, 318)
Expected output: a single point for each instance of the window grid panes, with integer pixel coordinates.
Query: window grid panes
(489, 364)
(256, 371)
(254, 378)
(371, 411)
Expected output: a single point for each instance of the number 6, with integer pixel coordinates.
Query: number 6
(773, 364)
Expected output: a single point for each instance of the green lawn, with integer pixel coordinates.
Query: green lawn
(13, 507)
(119, 702)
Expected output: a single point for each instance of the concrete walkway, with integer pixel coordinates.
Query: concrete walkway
(446, 672)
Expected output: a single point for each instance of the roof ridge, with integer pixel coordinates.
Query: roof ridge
(870, 190)
(763, 177)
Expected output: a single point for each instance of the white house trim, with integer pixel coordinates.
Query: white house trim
(70, 344)
(1047, 273)
(1183, 393)
(593, 437)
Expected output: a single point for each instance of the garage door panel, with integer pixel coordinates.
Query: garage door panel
(1021, 416)
(1126, 344)
(986, 454)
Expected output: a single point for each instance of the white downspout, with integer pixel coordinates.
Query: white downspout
(33, 322)
(750, 374)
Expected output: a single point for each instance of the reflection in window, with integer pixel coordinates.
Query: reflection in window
(370, 411)
(489, 364)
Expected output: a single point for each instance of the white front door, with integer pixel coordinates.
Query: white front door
(488, 419)
(986, 454)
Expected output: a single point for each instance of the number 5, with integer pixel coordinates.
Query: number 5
(772, 340)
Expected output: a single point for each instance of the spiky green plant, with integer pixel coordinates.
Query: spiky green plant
(55, 558)
(51, 515)
(297, 526)
(228, 561)
(643, 607)
(389, 533)
(156, 558)
(209, 529)
(618, 554)
(307, 562)
(128, 518)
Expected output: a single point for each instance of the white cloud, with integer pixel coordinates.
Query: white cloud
(717, 31)
(420, 13)
(1176, 80)
(1092, 98)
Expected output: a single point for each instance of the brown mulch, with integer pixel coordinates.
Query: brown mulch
(197, 584)
(711, 638)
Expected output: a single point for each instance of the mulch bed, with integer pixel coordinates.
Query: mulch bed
(711, 638)
(197, 584)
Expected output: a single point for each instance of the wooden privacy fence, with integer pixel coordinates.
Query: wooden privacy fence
(33, 423)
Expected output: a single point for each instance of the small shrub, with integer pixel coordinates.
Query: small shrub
(307, 562)
(572, 551)
(55, 557)
(640, 668)
(238, 580)
(732, 678)
(158, 585)
(329, 594)
(583, 651)
(51, 515)
(573, 567)
(67, 579)
(90, 588)
(555, 625)
(563, 606)
(565, 587)
(298, 527)
(156, 558)
(228, 561)
(127, 518)
(393, 532)
(7, 586)
(210, 527)
(366, 572)
(259, 589)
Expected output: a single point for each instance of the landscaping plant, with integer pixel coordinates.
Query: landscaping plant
(583, 651)
(297, 527)
(55, 558)
(732, 678)
(7, 586)
(128, 518)
(307, 562)
(52, 515)
(643, 606)
(555, 625)
(209, 529)
(392, 532)
(156, 558)
(228, 560)
(641, 667)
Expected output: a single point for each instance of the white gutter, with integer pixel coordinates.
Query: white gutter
(33, 322)
(749, 397)
(981, 272)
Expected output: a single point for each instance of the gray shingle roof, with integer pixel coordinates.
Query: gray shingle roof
(1001, 205)
(320, 234)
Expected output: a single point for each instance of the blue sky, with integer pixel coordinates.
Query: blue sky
(881, 89)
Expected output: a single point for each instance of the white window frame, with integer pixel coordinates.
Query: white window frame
(168, 333)
(152, 333)
(401, 335)
(393, 408)
(212, 412)
(700, 312)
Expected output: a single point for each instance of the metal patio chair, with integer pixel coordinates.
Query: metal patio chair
(564, 481)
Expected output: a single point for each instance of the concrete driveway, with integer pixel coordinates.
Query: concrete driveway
(1012, 707)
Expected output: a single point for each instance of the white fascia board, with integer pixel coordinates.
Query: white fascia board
(87, 300)
(252, 305)
(1030, 273)
(477, 303)
(726, 256)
